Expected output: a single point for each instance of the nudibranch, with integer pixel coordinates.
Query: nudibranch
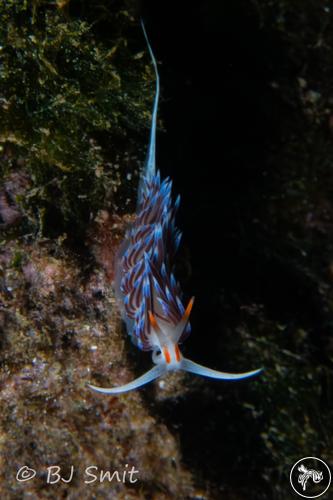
(145, 286)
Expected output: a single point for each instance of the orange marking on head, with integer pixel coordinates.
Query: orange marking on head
(177, 353)
(166, 355)
(153, 321)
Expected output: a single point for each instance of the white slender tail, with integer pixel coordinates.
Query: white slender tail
(149, 170)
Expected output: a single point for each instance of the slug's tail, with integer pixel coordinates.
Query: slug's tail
(149, 170)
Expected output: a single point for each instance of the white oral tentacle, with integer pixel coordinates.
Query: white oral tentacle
(190, 366)
(152, 374)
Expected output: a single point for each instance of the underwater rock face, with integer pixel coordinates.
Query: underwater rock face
(61, 330)
(74, 112)
(16, 184)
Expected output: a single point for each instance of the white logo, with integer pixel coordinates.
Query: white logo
(311, 475)
(316, 475)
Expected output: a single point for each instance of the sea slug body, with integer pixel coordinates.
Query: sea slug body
(146, 288)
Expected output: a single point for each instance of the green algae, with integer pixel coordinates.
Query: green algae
(70, 102)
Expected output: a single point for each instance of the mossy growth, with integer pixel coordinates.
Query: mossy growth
(74, 108)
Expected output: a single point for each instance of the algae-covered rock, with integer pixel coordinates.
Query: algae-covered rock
(73, 105)
(59, 332)
(74, 111)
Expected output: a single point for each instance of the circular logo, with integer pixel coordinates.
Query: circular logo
(310, 477)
